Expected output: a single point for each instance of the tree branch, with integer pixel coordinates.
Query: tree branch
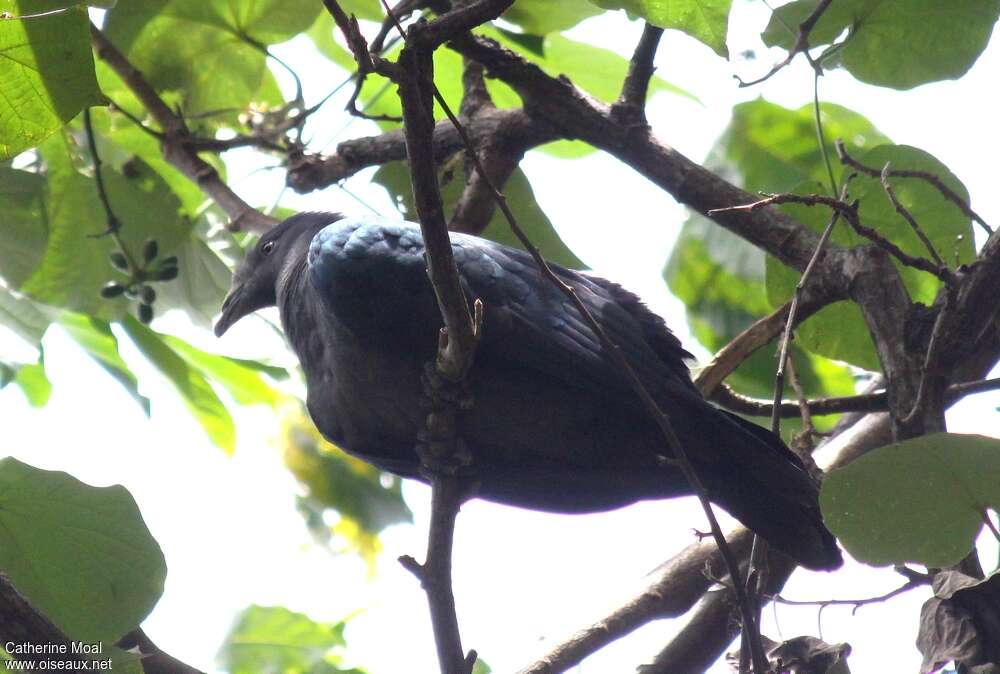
(801, 45)
(631, 105)
(926, 176)
(514, 130)
(175, 133)
(22, 623)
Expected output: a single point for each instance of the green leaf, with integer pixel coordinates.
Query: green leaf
(25, 230)
(207, 49)
(34, 383)
(23, 317)
(74, 265)
(196, 392)
(481, 667)
(47, 70)
(395, 178)
(719, 277)
(322, 33)
(81, 554)
(770, 148)
(921, 500)
(370, 10)
(204, 279)
(851, 340)
(367, 500)
(947, 227)
(120, 141)
(540, 17)
(240, 377)
(775, 149)
(264, 640)
(893, 44)
(96, 338)
(704, 20)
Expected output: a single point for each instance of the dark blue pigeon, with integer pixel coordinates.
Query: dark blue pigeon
(555, 425)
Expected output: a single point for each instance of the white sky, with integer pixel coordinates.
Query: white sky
(228, 525)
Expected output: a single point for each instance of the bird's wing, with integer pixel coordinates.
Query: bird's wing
(529, 323)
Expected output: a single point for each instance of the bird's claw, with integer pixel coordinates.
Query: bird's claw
(440, 391)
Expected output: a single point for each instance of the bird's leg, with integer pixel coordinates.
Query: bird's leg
(439, 445)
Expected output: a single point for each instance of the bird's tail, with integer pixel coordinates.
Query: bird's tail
(766, 487)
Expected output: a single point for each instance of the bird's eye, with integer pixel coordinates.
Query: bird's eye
(267, 247)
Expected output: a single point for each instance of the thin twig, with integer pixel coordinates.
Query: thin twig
(926, 176)
(786, 338)
(903, 211)
(808, 429)
(241, 214)
(850, 213)
(801, 43)
(820, 135)
(856, 603)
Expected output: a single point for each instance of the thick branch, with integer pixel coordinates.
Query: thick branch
(21, 623)
(435, 33)
(513, 130)
(175, 134)
(576, 115)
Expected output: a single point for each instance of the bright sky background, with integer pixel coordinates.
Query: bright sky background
(228, 526)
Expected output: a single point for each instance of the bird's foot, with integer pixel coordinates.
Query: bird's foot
(439, 391)
(443, 455)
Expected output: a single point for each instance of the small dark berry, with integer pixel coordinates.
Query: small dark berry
(165, 274)
(145, 313)
(112, 289)
(148, 295)
(168, 261)
(119, 261)
(150, 250)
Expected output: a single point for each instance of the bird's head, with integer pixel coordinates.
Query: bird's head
(255, 279)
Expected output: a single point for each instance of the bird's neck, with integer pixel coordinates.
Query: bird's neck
(298, 305)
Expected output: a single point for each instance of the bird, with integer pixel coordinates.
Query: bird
(554, 424)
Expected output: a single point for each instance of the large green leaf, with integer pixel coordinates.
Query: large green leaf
(34, 382)
(47, 70)
(364, 499)
(242, 378)
(120, 140)
(539, 17)
(74, 264)
(920, 501)
(194, 389)
(395, 178)
(720, 277)
(95, 337)
(264, 640)
(704, 20)
(23, 317)
(895, 44)
(770, 148)
(81, 554)
(774, 149)
(25, 229)
(206, 48)
(948, 229)
(204, 280)
(720, 280)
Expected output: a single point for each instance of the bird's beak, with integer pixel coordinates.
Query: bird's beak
(233, 309)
